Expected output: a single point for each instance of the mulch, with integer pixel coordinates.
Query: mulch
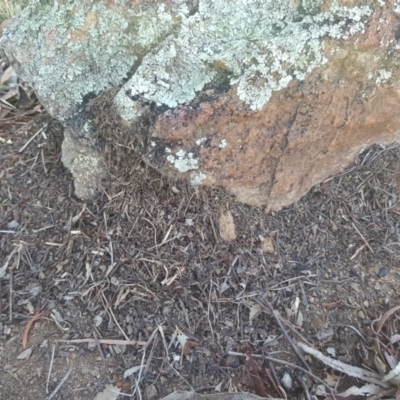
(145, 262)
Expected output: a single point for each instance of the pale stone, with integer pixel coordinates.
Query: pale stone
(227, 228)
(267, 245)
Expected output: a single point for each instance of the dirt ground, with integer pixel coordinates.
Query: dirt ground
(145, 263)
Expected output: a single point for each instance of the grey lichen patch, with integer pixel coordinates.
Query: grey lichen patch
(222, 144)
(200, 141)
(396, 6)
(383, 76)
(68, 49)
(183, 161)
(261, 44)
(196, 178)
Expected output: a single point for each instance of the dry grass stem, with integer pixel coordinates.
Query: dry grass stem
(105, 341)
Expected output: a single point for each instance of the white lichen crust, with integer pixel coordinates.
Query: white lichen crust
(260, 44)
(68, 49)
(196, 178)
(183, 161)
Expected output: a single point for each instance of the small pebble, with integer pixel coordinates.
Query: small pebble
(383, 272)
(361, 314)
(151, 392)
(366, 303)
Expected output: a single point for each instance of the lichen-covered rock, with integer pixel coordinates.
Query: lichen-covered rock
(71, 50)
(259, 46)
(263, 97)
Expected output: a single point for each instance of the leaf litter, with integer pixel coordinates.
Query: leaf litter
(148, 281)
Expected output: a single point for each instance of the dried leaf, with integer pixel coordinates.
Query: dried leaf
(109, 393)
(379, 364)
(350, 370)
(8, 76)
(97, 320)
(366, 390)
(345, 397)
(393, 376)
(331, 306)
(299, 319)
(181, 395)
(276, 383)
(395, 338)
(132, 370)
(3, 25)
(358, 393)
(10, 94)
(331, 351)
(182, 339)
(255, 309)
(295, 306)
(24, 101)
(287, 380)
(380, 324)
(331, 379)
(252, 376)
(222, 287)
(190, 344)
(391, 360)
(325, 335)
(25, 355)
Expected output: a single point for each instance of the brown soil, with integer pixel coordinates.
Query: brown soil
(146, 258)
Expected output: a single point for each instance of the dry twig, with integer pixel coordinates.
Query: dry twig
(105, 341)
(61, 383)
(288, 364)
(50, 369)
(289, 339)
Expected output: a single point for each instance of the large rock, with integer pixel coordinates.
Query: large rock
(265, 98)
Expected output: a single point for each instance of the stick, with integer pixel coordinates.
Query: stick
(150, 339)
(50, 369)
(289, 364)
(349, 370)
(289, 339)
(115, 319)
(11, 296)
(161, 330)
(363, 238)
(105, 341)
(61, 383)
(33, 137)
(98, 344)
(110, 246)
